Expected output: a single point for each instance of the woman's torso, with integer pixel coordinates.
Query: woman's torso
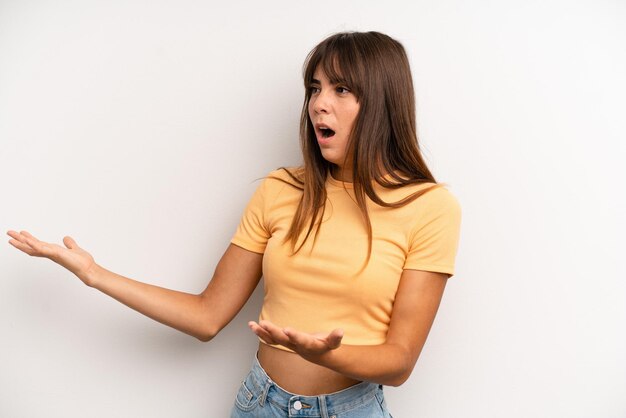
(297, 375)
(330, 282)
(316, 290)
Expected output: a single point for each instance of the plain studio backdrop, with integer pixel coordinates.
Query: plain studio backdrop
(139, 128)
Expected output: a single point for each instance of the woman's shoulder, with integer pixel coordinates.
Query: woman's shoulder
(431, 195)
(439, 201)
(285, 173)
(444, 199)
(282, 176)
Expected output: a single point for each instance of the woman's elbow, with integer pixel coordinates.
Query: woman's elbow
(206, 334)
(205, 338)
(398, 380)
(403, 373)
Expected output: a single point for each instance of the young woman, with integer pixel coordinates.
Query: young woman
(355, 247)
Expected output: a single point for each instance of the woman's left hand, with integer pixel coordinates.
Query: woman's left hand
(307, 345)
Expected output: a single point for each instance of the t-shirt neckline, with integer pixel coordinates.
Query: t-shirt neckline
(346, 184)
(338, 183)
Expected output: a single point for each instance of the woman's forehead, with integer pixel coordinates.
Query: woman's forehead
(330, 70)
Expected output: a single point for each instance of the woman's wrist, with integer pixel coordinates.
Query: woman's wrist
(92, 275)
(328, 359)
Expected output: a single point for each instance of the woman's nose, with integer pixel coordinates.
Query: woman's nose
(321, 102)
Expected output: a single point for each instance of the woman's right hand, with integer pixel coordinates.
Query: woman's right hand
(73, 258)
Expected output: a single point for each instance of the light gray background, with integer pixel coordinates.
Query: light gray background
(139, 127)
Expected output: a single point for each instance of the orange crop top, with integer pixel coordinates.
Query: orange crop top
(316, 289)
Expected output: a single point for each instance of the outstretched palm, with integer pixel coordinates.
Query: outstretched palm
(73, 258)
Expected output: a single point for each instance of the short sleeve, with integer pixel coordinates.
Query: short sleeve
(252, 232)
(434, 240)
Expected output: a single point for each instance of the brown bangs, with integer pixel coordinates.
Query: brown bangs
(338, 60)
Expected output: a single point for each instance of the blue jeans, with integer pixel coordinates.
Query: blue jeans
(260, 397)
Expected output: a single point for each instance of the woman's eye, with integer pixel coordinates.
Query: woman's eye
(314, 89)
(342, 90)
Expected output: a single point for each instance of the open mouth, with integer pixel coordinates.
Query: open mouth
(327, 132)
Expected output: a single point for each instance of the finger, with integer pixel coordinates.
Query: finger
(276, 332)
(17, 239)
(22, 247)
(300, 338)
(26, 242)
(27, 238)
(271, 328)
(261, 333)
(27, 234)
(17, 236)
(334, 338)
(40, 248)
(305, 343)
(34, 243)
(22, 240)
(268, 325)
(70, 243)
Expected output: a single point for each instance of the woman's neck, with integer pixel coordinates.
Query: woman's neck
(341, 174)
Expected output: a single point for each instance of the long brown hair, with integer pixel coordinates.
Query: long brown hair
(383, 144)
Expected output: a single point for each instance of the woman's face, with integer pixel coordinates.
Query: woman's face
(333, 108)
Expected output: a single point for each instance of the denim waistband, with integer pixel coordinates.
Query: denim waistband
(325, 405)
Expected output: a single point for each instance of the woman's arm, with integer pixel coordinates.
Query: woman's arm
(417, 301)
(202, 316)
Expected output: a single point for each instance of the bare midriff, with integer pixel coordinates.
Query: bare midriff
(297, 375)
